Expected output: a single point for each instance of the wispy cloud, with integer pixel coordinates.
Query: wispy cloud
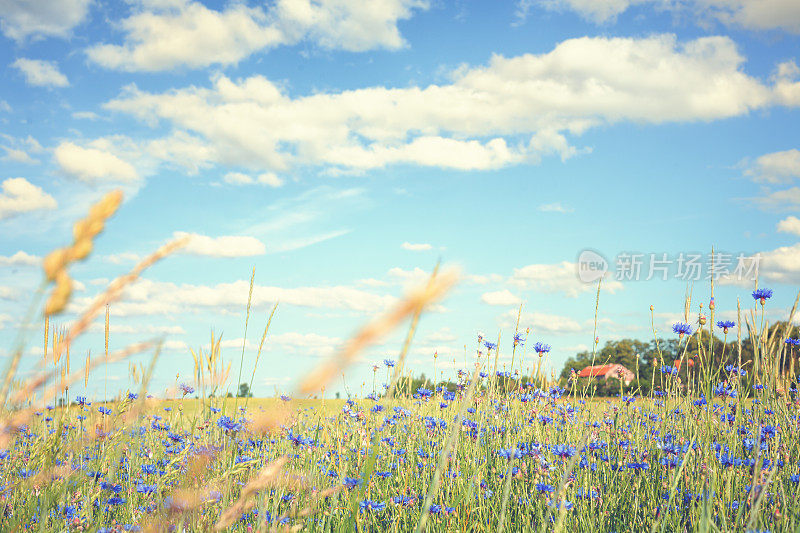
(555, 207)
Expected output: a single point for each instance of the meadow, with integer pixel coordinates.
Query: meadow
(493, 448)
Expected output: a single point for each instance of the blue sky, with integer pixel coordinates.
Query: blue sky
(343, 151)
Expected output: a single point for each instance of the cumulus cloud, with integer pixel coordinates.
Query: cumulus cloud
(20, 19)
(556, 277)
(542, 322)
(512, 110)
(20, 258)
(760, 15)
(93, 164)
(789, 224)
(41, 73)
(776, 167)
(416, 247)
(18, 195)
(225, 246)
(147, 297)
(267, 178)
(165, 35)
(502, 297)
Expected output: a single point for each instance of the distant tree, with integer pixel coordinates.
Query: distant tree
(229, 395)
(244, 391)
(338, 395)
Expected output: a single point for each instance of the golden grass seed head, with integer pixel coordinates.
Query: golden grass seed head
(55, 262)
(60, 295)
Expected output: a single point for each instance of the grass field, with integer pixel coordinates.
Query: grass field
(494, 452)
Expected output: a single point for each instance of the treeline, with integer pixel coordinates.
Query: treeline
(646, 359)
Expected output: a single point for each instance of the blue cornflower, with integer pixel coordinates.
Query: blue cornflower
(762, 295)
(519, 339)
(115, 500)
(351, 482)
(544, 487)
(490, 345)
(510, 453)
(682, 329)
(725, 325)
(388, 362)
(563, 450)
(228, 424)
(186, 388)
(369, 505)
(132, 395)
(541, 348)
(667, 369)
(104, 410)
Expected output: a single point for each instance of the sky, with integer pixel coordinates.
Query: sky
(343, 149)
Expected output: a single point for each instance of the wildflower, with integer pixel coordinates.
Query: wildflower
(682, 329)
(563, 450)
(490, 345)
(541, 348)
(667, 369)
(544, 487)
(132, 395)
(388, 362)
(519, 339)
(228, 424)
(104, 410)
(725, 325)
(762, 295)
(369, 505)
(510, 453)
(351, 482)
(186, 389)
(285, 398)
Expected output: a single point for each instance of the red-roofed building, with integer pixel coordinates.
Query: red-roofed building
(608, 372)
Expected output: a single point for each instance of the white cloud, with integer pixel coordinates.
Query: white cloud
(782, 199)
(513, 110)
(123, 257)
(224, 246)
(85, 115)
(18, 156)
(20, 258)
(4, 107)
(749, 14)
(556, 277)
(303, 343)
(17, 149)
(443, 335)
(303, 242)
(147, 297)
(4, 320)
(7, 293)
(421, 247)
(21, 196)
(41, 73)
(162, 36)
(267, 178)
(542, 322)
(777, 167)
(556, 207)
(128, 329)
(20, 19)
(789, 225)
(93, 164)
(503, 297)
